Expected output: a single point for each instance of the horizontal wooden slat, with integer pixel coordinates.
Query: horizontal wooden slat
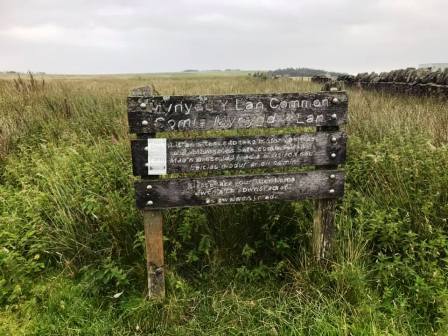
(148, 114)
(172, 193)
(193, 155)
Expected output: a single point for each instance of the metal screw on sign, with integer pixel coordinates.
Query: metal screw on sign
(332, 176)
(149, 187)
(145, 122)
(333, 155)
(333, 139)
(331, 191)
(334, 116)
(335, 100)
(143, 105)
(149, 203)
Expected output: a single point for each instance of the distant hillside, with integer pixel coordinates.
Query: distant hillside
(302, 72)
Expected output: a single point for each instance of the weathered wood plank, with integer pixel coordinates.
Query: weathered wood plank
(153, 224)
(323, 228)
(161, 194)
(193, 155)
(147, 114)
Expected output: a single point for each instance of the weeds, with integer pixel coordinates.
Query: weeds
(71, 240)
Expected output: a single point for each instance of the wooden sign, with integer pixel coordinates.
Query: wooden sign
(194, 155)
(325, 150)
(174, 193)
(148, 114)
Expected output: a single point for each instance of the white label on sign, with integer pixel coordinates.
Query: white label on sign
(156, 157)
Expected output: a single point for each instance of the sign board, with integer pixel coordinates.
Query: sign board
(229, 153)
(160, 156)
(200, 113)
(174, 193)
(325, 150)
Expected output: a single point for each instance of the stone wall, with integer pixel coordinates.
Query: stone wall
(421, 82)
(321, 79)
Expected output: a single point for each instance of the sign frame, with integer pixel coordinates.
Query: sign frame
(149, 114)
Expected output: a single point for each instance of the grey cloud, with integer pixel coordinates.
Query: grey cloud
(114, 36)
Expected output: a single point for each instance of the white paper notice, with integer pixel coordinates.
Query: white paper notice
(156, 157)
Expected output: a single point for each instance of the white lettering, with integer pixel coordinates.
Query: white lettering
(184, 124)
(178, 107)
(158, 120)
(188, 109)
(172, 123)
(294, 104)
(271, 119)
(310, 118)
(306, 104)
(237, 107)
(271, 103)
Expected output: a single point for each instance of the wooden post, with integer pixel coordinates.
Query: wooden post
(324, 216)
(324, 209)
(323, 228)
(153, 223)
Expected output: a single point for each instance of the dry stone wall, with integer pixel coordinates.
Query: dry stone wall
(421, 82)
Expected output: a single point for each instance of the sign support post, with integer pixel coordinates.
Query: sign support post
(324, 216)
(324, 210)
(153, 226)
(153, 223)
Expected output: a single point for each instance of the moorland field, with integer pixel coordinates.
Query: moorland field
(71, 239)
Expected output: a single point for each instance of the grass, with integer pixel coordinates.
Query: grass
(71, 240)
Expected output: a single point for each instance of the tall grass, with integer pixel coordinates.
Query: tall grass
(374, 116)
(71, 239)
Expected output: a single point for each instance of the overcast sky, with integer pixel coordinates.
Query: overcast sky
(123, 36)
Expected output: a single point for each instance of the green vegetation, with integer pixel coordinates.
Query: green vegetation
(71, 240)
